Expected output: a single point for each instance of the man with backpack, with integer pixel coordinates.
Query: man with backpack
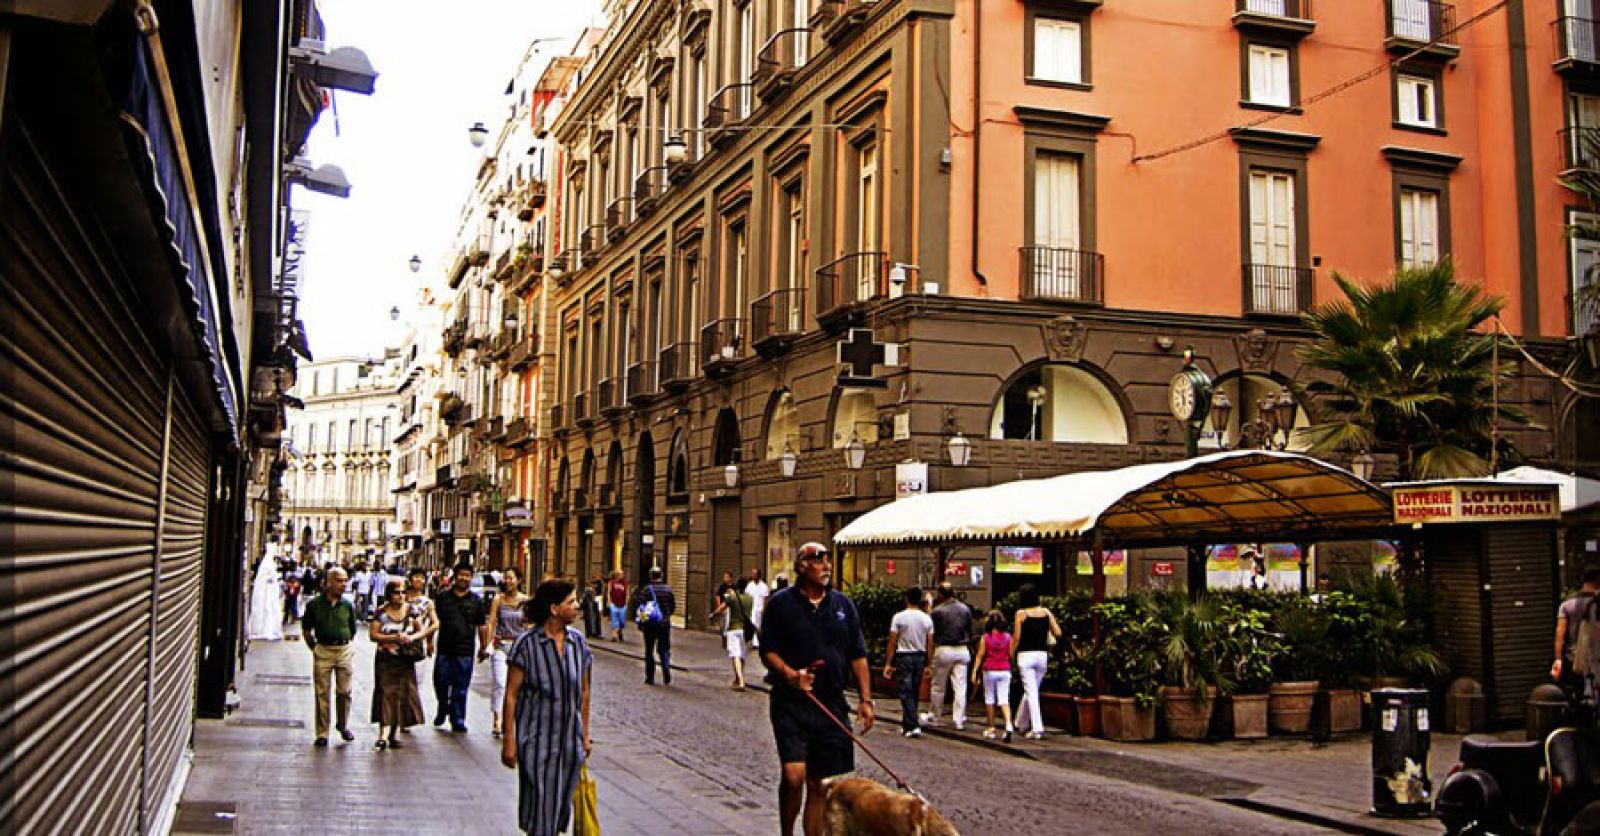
(654, 605)
(1569, 669)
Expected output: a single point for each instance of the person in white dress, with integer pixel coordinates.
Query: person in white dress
(266, 601)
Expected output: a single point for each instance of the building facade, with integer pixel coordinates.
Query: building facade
(1039, 233)
(339, 487)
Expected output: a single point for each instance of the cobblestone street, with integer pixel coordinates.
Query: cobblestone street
(690, 758)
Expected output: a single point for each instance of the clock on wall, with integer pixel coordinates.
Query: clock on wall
(1189, 395)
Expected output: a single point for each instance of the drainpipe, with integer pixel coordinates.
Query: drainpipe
(977, 133)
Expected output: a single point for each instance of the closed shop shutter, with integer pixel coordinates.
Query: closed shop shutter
(87, 400)
(1452, 554)
(1523, 590)
(724, 539)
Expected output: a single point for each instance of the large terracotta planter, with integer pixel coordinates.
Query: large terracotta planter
(1289, 706)
(1088, 710)
(1187, 718)
(1344, 710)
(1057, 711)
(1248, 714)
(1121, 718)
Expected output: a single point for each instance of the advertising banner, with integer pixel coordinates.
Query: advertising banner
(1470, 502)
(1115, 563)
(1019, 560)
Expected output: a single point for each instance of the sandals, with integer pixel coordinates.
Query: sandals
(380, 744)
(396, 744)
(989, 734)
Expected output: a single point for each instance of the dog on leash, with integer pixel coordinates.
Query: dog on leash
(864, 807)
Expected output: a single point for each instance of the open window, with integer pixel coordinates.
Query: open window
(1059, 402)
(855, 415)
(783, 426)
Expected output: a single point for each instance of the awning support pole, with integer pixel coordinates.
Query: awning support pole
(1196, 575)
(1097, 565)
(1305, 554)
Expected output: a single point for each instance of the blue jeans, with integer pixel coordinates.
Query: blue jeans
(657, 642)
(452, 676)
(907, 682)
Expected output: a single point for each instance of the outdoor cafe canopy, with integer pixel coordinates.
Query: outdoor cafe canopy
(1255, 495)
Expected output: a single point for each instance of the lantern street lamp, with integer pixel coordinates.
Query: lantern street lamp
(416, 263)
(1283, 413)
(1221, 411)
(394, 313)
(1363, 465)
(730, 475)
(787, 461)
(477, 134)
(675, 151)
(960, 450)
(855, 453)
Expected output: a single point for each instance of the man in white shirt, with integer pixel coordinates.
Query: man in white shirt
(380, 582)
(758, 591)
(361, 584)
(908, 658)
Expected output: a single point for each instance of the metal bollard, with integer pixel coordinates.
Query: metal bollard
(1401, 786)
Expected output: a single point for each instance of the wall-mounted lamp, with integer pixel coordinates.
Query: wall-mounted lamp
(855, 453)
(1363, 465)
(959, 449)
(1221, 410)
(416, 263)
(675, 151)
(787, 461)
(477, 134)
(394, 313)
(324, 179)
(730, 475)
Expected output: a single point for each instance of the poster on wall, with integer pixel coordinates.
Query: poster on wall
(1231, 565)
(1115, 563)
(1019, 560)
(1385, 557)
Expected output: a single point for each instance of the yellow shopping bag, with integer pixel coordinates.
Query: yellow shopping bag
(585, 805)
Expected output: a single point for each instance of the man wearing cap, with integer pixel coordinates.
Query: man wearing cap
(812, 645)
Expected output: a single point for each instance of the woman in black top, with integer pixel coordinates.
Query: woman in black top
(1036, 630)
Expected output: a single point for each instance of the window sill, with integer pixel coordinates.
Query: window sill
(1420, 129)
(1271, 108)
(1061, 85)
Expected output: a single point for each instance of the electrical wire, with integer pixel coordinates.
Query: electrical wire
(1329, 92)
(1582, 390)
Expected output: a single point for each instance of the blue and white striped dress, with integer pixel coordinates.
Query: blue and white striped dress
(549, 727)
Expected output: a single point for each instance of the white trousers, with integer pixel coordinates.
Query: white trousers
(997, 687)
(950, 665)
(497, 667)
(1032, 664)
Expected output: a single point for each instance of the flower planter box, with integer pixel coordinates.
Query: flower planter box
(1289, 706)
(1121, 718)
(1344, 710)
(1187, 718)
(1245, 716)
(1058, 712)
(1088, 720)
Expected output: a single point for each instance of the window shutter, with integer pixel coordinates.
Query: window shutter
(1259, 201)
(1057, 50)
(1056, 219)
(1282, 220)
(1269, 76)
(1427, 227)
(1408, 225)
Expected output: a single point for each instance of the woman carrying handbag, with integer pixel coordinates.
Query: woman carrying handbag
(395, 702)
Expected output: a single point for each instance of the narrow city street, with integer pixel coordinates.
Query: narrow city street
(693, 757)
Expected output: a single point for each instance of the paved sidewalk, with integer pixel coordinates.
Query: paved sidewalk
(1328, 784)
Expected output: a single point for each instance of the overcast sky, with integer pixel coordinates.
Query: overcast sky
(441, 67)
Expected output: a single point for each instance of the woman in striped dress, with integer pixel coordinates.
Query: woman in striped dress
(546, 711)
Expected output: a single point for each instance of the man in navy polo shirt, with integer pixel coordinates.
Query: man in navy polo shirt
(811, 641)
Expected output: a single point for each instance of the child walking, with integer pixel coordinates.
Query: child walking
(994, 664)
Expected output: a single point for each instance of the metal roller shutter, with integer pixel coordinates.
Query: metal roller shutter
(86, 403)
(1523, 584)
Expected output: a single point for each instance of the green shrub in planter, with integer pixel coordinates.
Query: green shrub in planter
(1193, 645)
(1131, 635)
(1302, 627)
(876, 603)
(1380, 627)
(1249, 648)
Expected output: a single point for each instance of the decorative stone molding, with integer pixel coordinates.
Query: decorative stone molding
(1256, 350)
(1064, 338)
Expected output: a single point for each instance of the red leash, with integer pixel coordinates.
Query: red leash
(899, 782)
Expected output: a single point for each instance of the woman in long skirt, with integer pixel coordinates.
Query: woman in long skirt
(546, 712)
(395, 702)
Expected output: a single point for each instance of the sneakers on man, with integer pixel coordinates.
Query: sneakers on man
(347, 735)
(458, 728)
(912, 733)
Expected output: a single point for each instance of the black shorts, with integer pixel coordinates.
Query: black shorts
(805, 735)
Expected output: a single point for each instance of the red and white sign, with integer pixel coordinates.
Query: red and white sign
(955, 567)
(1469, 502)
(1161, 569)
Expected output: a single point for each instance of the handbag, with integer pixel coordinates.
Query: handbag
(585, 805)
(411, 651)
(649, 612)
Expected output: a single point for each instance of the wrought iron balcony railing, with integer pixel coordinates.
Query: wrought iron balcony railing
(728, 108)
(608, 396)
(1287, 17)
(1580, 148)
(1064, 275)
(648, 188)
(641, 382)
(677, 366)
(779, 59)
(857, 278)
(1413, 23)
(1577, 43)
(1276, 289)
(777, 318)
(721, 344)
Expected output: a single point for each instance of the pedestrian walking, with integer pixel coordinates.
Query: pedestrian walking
(737, 628)
(617, 603)
(589, 600)
(1569, 620)
(361, 582)
(908, 658)
(546, 720)
(422, 609)
(380, 582)
(1035, 630)
(812, 645)
(758, 591)
(994, 662)
(291, 597)
(462, 617)
(505, 625)
(399, 637)
(654, 605)
(329, 627)
(723, 586)
(952, 654)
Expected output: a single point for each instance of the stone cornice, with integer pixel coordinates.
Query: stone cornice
(649, 18)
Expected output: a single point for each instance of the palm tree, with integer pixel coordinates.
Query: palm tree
(1408, 372)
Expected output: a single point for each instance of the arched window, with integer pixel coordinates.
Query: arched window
(725, 441)
(1059, 402)
(855, 415)
(678, 469)
(783, 425)
(1245, 393)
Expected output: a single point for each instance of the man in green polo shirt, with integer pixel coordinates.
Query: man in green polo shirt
(329, 629)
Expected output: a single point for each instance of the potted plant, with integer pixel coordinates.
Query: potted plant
(1077, 680)
(1191, 671)
(1129, 656)
(1071, 670)
(1249, 649)
(1303, 628)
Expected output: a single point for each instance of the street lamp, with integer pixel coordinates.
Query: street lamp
(675, 151)
(1363, 465)
(855, 453)
(394, 313)
(416, 263)
(1283, 413)
(787, 461)
(960, 450)
(730, 475)
(477, 134)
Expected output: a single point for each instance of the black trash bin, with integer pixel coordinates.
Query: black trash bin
(1401, 786)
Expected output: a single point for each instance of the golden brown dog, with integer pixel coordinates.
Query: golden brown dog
(864, 807)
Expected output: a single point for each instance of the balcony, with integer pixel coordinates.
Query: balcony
(458, 270)
(519, 432)
(445, 476)
(729, 107)
(679, 172)
(1274, 17)
(777, 320)
(500, 345)
(648, 187)
(720, 344)
(1063, 275)
(535, 196)
(677, 367)
(522, 353)
(1580, 148)
(1276, 290)
(1577, 46)
(580, 410)
(565, 264)
(580, 500)
(617, 218)
(454, 338)
(1423, 25)
(608, 398)
(782, 56)
(560, 504)
(856, 279)
(592, 241)
(495, 429)
(641, 382)
(502, 267)
(558, 417)
(837, 18)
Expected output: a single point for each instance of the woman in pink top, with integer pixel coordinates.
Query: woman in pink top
(994, 661)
